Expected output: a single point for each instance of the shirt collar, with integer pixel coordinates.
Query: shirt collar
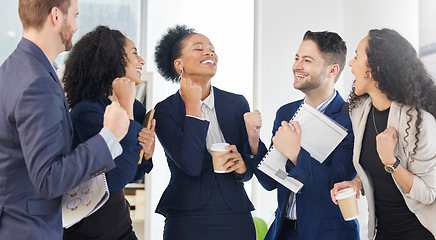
(322, 107)
(210, 100)
(53, 64)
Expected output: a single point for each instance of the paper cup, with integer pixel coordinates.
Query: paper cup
(348, 203)
(218, 149)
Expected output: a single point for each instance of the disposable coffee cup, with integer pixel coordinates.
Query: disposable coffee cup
(218, 149)
(348, 203)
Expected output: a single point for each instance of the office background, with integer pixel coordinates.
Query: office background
(256, 41)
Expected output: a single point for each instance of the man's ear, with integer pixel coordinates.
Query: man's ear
(333, 70)
(54, 16)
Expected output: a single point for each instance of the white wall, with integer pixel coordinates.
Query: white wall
(279, 28)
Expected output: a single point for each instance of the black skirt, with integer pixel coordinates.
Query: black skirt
(110, 222)
(214, 221)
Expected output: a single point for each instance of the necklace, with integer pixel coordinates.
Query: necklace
(373, 120)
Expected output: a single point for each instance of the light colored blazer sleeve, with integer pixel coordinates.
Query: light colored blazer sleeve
(423, 163)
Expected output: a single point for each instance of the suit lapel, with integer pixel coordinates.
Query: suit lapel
(359, 117)
(334, 107)
(224, 117)
(35, 51)
(220, 109)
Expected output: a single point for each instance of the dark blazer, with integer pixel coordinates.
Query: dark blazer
(36, 162)
(184, 141)
(317, 216)
(87, 117)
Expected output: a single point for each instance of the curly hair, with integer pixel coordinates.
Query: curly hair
(400, 74)
(169, 48)
(332, 47)
(92, 65)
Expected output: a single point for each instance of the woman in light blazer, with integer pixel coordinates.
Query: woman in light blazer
(393, 110)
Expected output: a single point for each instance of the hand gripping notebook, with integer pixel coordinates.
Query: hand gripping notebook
(84, 200)
(147, 124)
(320, 136)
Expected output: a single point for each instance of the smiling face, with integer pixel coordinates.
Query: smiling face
(198, 57)
(134, 62)
(309, 67)
(359, 67)
(69, 25)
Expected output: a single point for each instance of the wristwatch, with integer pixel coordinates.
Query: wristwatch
(391, 168)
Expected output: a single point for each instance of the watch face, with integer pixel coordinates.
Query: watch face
(389, 169)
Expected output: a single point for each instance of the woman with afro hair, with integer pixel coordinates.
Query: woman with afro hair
(393, 111)
(102, 67)
(198, 203)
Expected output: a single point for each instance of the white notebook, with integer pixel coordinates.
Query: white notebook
(320, 136)
(84, 200)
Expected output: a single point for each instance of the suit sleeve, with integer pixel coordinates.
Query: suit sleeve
(43, 128)
(243, 143)
(182, 137)
(337, 167)
(88, 120)
(267, 182)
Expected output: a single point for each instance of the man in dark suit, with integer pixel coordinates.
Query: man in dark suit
(309, 214)
(37, 164)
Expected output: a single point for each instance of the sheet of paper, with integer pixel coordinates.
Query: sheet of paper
(84, 200)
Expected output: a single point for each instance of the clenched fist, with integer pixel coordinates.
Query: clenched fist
(117, 120)
(253, 123)
(125, 93)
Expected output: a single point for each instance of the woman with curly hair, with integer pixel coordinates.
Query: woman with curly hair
(393, 111)
(199, 203)
(102, 67)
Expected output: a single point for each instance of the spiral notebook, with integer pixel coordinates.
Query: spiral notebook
(320, 136)
(84, 200)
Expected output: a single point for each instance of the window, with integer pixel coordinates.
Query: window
(10, 29)
(117, 14)
(427, 35)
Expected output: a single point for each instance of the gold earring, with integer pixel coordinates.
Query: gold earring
(181, 74)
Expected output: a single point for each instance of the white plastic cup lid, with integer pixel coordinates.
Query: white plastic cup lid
(345, 193)
(219, 147)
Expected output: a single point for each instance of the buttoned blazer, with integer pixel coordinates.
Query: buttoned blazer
(36, 162)
(317, 216)
(184, 141)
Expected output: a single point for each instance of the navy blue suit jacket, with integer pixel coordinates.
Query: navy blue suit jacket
(317, 216)
(184, 141)
(87, 117)
(36, 162)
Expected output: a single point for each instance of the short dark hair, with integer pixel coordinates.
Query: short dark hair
(92, 65)
(169, 48)
(33, 13)
(332, 47)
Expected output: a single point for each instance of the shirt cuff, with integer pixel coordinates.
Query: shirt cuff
(196, 117)
(112, 142)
